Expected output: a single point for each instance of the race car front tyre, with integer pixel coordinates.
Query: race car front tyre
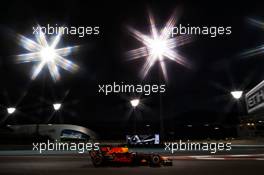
(97, 161)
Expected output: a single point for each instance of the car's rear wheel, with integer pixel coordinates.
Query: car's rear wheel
(155, 160)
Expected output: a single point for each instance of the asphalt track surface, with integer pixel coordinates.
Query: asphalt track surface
(82, 165)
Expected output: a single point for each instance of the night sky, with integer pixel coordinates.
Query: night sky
(193, 96)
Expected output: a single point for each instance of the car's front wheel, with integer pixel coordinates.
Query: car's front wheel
(97, 161)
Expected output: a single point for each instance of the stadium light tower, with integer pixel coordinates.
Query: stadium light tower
(135, 102)
(11, 110)
(237, 94)
(57, 106)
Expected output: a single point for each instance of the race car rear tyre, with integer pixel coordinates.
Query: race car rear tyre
(155, 160)
(97, 161)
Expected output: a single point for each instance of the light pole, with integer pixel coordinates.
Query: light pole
(134, 103)
(159, 47)
(237, 95)
(56, 107)
(10, 111)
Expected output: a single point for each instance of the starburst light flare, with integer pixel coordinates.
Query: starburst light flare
(159, 46)
(46, 54)
(259, 49)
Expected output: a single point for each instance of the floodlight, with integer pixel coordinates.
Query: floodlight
(237, 94)
(11, 110)
(135, 102)
(56, 106)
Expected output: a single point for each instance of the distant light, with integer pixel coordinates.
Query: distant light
(252, 124)
(11, 110)
(248, 124)
(206, 125)
(56, 106)
(49, 124)
(260, 121)
(147, 125)
(189, 126)
(134, 102)
(216, 128)
(237, 94)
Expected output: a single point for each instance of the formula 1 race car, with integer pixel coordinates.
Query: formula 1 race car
(109, 155)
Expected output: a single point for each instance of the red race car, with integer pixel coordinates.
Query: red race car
(120, 155)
